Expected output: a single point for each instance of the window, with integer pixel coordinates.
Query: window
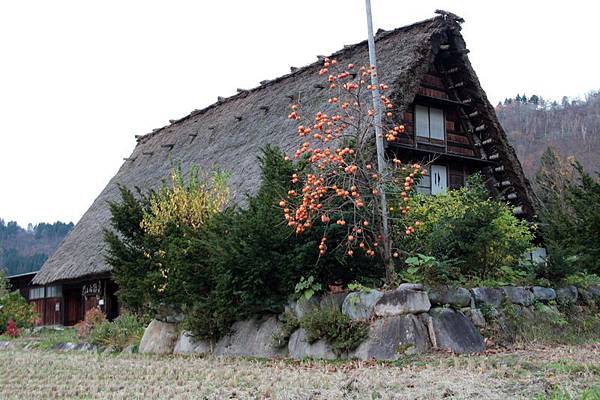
(429, 122)
(36, 293)
(435, 182)
(424, 185)
(54, 291)
(439, 179)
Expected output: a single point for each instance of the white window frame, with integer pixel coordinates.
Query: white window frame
(442, 170)
(37, 293)
(54, 291)
(423, 125)
(425, 185)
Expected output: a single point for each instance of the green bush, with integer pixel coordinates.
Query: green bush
(474, 235)
(237, 264)
(582, 280)
(125, 330)
(341, 332)
(426, 269)
(130, 250)
(14, 306)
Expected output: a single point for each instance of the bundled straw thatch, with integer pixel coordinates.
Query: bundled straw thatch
(229, 133)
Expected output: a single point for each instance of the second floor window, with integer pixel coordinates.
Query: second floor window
(429, 122)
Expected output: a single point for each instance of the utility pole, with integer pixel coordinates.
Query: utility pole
(381, 164)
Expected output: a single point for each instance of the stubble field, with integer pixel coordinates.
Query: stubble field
(539, 373)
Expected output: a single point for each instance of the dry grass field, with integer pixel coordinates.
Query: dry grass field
(538, 373)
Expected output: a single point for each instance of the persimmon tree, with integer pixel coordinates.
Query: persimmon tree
(340, 183)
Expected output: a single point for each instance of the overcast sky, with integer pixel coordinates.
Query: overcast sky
(78, 79)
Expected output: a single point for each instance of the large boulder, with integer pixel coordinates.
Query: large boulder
(253, 338)
(567, 294)
(299, 348)
(402, 301)
(451, 330)
(455, 296)
(390, 338)
(519, 295)
(487, 296)
(159, 338)
(543, 294)
(186, 344)
(333, 300)
(304, 306)
(411, 286)
(360, 305)
(594, 291)
(476, 316)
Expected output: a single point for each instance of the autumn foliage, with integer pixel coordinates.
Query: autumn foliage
(341, 184)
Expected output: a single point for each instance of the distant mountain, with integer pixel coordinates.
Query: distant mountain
(25, 250)
(571, 126)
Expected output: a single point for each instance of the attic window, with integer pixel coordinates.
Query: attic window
(429, 122)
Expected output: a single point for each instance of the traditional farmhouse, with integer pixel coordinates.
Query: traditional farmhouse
(439, 99)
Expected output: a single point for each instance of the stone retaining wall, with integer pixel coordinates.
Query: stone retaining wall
(409, 319)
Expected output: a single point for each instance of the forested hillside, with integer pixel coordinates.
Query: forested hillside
(571, 126)
(25, 250)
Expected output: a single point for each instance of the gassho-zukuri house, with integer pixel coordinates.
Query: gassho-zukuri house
(433, 86)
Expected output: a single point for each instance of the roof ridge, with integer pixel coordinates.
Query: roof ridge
(381, 34)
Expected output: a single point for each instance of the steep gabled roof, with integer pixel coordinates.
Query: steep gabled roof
(230, 133)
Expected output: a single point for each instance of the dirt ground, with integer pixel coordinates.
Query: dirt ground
(515, 374)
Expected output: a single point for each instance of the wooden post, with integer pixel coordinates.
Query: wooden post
(387, 248)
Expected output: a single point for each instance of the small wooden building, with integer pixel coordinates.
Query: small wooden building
(438, 98)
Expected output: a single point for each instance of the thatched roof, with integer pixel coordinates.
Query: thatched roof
(229, 133)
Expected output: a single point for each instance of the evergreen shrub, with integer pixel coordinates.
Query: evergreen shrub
(475, 236)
